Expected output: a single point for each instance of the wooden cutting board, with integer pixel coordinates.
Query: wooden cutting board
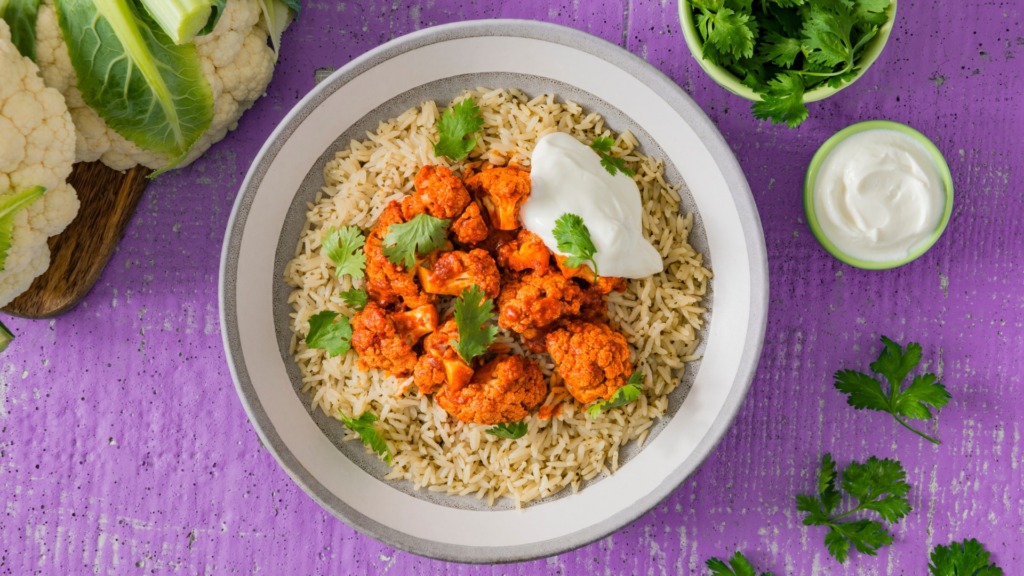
(79, 254)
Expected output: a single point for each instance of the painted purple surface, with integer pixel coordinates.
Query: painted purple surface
(124, 450)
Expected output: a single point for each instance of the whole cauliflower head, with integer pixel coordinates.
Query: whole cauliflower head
(37, 148)
(236, 61)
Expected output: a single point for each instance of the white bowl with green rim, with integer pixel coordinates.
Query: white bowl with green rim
(732, 83)
(938, 162)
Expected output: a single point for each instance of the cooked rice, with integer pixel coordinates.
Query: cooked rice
(661, 316)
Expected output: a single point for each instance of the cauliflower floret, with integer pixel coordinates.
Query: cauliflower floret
(505, 389)
(385, 340)
(456, 271)
(591, 357)
(502, 190)
(236, 61)
(37, 146)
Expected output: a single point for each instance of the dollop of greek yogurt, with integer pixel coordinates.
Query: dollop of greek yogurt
(878, 194)
(567, 177)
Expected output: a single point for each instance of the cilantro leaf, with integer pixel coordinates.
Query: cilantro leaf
(472, 313)
(421, 235)
(870, 13)
(827, 491)
(629, 392)
(780, 50)
(782, 101)
(915, 402)
(573, 239)
(357, 298)
(728, 31)
(368, 433)
(326, 334)
(966, 558)
(738, 566)
(827, 34)
(455, 125)
(877, 485)
(866, 482)
(344, 248)
(510, 430)
(603, 146)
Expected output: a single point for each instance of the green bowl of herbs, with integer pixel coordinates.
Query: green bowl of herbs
(782, 54)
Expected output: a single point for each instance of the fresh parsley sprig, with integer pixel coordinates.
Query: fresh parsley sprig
(368, 433)
(573, 239)
(454, 128)
(421, 235)
(738, 566)
(966, 558)
(629, 392)
(344, 247)
(603, 146)
(473, 314)
(912, 402)
(877, 485)
(326, 334)
(509, 430)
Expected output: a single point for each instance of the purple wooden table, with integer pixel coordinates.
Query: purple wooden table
(124, 450)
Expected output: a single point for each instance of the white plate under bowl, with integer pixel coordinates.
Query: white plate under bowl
(438, 63)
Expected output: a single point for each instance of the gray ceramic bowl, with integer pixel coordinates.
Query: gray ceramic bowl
(436, 64)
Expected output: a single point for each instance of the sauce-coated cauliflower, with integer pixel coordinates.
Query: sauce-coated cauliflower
(37, 148)
(236, 61)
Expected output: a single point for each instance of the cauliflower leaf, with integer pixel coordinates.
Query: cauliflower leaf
(145, 87)
(9, 206)
(20, 15)
(278, 14)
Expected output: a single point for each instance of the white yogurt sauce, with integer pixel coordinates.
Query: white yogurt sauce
(567, 177)
(878, 194)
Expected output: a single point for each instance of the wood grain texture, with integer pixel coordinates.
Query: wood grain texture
(79, 254)
(124, 449)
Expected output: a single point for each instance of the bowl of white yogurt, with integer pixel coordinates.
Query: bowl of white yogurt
(878, 194)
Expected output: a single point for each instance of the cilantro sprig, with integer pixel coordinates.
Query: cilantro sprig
(368, 433)
(966, 558)
(454, 128)
(327, 334)
(738, 566)
(509, 430)
(895, 364)
(629, 392)
(783, 48)
(473, 313)
(357, 298)
(603, 146)
(877, 485)
(573, 239)
(344, 247)
(421, 235)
